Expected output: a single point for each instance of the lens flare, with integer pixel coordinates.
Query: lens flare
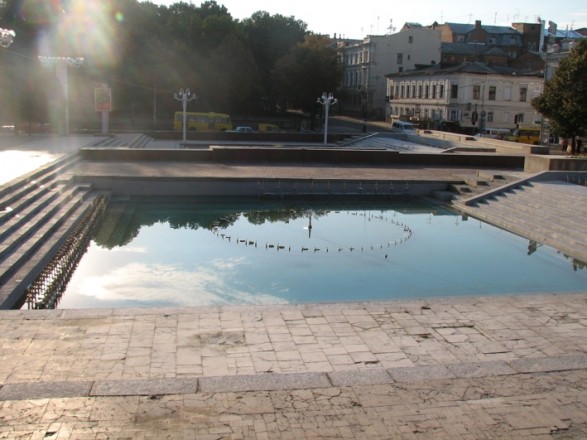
(87, 28)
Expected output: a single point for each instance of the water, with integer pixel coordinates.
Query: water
(151, 253)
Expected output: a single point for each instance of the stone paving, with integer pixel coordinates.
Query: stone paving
(452, 368)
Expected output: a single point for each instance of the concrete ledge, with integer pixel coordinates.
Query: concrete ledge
(418, 374)
(559, 363)
(481, 369)
(44, 390)
(265, 382)
(337, 156)
(290, 381)
(147, 387)
(535, 163)
(362, 377)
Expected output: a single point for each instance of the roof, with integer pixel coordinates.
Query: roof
(460, 28)
(470, 49)
(474, 67)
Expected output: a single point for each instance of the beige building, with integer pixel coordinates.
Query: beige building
(367, 62)
(472, 95)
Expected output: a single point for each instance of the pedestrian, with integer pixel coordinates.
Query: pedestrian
(565, 145)
(572, 146)
(578, 145)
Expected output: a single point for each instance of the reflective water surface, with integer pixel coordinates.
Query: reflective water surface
(152, 252)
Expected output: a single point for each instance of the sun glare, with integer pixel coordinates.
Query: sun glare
(88, 29)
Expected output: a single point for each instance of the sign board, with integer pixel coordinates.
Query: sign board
(103, 99)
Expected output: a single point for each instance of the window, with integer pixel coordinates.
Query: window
(492, 92)
(523, 93)
(507, 93)
(454, 91)
(400, 58)
(420, 91)
(426, 91)
(454, 115)
(476, 92)
(489, 116)
(410, 39)
(400, 69)
(413, 90)
(441, 92)
(433, 91)
(401, 91)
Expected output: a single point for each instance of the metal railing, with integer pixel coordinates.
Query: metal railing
(46, 291)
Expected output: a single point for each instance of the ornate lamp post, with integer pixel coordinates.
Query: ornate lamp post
(61, 64)
(326, 101)
(6, 37)
(184, 96)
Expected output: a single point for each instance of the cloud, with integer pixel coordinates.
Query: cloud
(165, 284)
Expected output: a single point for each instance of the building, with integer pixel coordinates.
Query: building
(470, 95)
(367, 62)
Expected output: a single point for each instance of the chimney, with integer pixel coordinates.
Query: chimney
(477, 24)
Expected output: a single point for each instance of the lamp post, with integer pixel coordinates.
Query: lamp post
(61, 64)
(6, 37)
(326, 101)
(184, 96)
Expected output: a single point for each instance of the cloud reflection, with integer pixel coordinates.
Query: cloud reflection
(172, 285)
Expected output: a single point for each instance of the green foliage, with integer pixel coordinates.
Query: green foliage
(306, 72)
(564, 100)
(146, 52)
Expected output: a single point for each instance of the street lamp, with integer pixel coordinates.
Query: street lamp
(6, 37)
(184, 96)
(61, 64)
(326, 101)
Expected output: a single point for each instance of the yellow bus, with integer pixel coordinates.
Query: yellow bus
(202, 121)
(525, 135)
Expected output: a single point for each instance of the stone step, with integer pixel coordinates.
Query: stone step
(19, 248)
(20, 215)
(23, 227)
(13, 282)
(20, 187)
(558, 217)
(558, 238)
(32, 197)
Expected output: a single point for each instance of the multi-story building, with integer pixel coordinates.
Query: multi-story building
(366, 62)
(471, 94)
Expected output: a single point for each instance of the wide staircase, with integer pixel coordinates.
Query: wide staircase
(38, 212)
(553, 213)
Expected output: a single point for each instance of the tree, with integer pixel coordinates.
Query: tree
(307, 71)
(564, 100)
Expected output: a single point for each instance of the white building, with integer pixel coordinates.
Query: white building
(471, 94)
(367, 62)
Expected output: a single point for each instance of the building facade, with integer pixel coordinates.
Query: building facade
(472, 96)
(367, 62)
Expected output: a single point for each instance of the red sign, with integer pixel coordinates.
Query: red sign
(103, 99)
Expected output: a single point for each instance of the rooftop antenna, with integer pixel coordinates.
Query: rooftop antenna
(495, 19)
(390, 28)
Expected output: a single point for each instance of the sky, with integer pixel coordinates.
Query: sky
(375, 17)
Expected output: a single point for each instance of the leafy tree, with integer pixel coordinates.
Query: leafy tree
(269, 38)
(564, 100)
(307, 71)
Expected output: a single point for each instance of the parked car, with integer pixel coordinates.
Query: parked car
(242, 129)
(269, 128)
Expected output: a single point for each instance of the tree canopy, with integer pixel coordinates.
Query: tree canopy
(146, 52)
(564, 100)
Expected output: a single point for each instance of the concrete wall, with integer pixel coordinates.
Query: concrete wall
(304, 155)
(535, 164)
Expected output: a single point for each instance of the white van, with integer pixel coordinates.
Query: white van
(403, 127)
(494, 133)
